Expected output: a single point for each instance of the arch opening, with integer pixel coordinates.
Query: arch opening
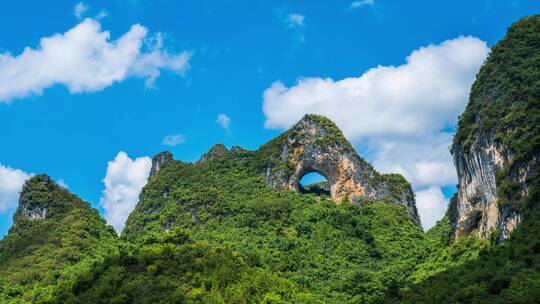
(313, 182)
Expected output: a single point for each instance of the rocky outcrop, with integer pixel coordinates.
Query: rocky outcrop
(315, 144)
(496, 149)
(36, 197)
(216, 151)
(477, 208)
(159, 161)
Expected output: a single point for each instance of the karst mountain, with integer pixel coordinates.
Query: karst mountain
(237, 226)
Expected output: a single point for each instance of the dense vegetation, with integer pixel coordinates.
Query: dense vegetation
(507, 273)
(310, 241)
(37, 257)
(213, 232)
(505, 103)
(206, 241)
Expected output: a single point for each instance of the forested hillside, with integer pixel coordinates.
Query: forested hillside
(237, 227)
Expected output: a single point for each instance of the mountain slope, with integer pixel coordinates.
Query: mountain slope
(497, 146)
(335, 251)
(236, 226)
(54, 233)
(487, 248)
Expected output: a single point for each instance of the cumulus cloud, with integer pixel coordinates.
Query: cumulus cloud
(84, 59)
(360, 3)
(123, 181)
(174, 140)
(80, 9)
(11, 183)
(424, 94)
(431, 205)
(423, 160)
(224, 121)
(398, 116)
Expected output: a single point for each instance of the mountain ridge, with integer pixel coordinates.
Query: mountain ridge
(236, 226)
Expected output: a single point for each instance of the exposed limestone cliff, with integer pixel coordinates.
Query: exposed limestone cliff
(36, 197)
(477, 205)
(159, 161)
(315, 144)
(496, 149)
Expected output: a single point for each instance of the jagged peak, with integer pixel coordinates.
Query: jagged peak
(216, 151)
(317, 122)
(40, 182)
(316, 144)
(35, 197)
(316, 119)
(159, 161)
(319, 129)
(237, 149)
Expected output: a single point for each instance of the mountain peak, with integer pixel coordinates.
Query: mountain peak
(159, 161)
(316, 119)
(313, 125)
(216, 151)
(35, 199)
(316, 144)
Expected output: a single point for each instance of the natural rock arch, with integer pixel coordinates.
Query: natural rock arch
(315, 144)
(338, 170)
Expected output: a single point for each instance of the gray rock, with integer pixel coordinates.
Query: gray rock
(477, 209)
(160, 161)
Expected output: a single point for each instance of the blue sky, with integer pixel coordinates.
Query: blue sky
(248, 61)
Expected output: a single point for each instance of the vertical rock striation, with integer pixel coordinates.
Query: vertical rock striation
(496, 149)
(36, 197)
(159, 161)
(478, 208)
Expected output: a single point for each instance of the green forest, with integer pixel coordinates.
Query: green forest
(213, 232)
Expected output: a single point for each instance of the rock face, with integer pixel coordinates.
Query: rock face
(477, 205)
(159, 161)
(35, 199)
(315, 144)
(496, 149)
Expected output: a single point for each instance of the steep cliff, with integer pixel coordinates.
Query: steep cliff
(159, 161)
(497, 146)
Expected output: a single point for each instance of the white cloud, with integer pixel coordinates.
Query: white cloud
(224, 121)
(11, 183)
(295, 24)
(423, 160)
(394, 114)
(80, 9)
(425, 94)
(84, 59)
(431, 205)
(123, 181)
(360, 3)
(174, 140)
(102, 14)
(295, 20)
(62, 183)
